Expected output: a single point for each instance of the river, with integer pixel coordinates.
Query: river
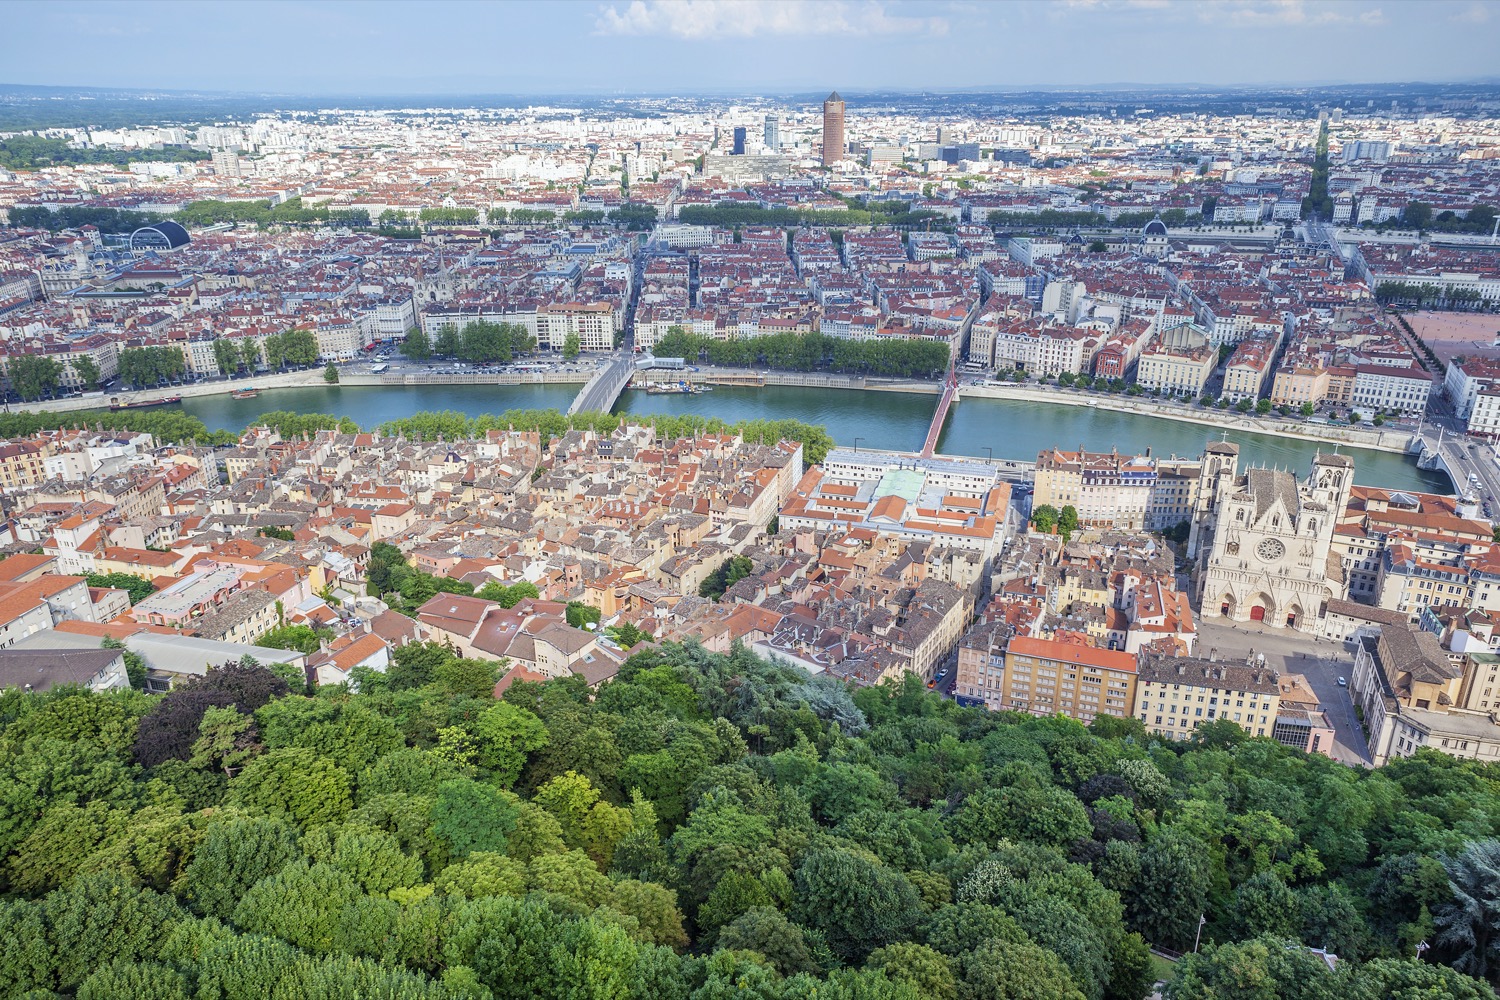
(1012, 429)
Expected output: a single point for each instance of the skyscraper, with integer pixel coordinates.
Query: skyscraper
(739, 140)
(773, 134)
(833, 129)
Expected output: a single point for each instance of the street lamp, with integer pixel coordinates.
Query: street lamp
(1199, 936)
(856, 444)
(989, 453)
(1421, 947)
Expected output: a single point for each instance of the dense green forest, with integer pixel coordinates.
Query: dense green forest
(31, 152)
(709, 826)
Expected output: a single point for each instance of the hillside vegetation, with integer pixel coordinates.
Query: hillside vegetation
(708, 826)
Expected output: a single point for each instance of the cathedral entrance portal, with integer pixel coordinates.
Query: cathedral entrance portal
(1257, 613)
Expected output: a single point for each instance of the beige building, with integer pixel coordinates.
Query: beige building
(1047, 677)
(1248, 368)
(1179, 370)
(593, 322)
(1177, 694)
(1131, 493)
(981, 665)
(1176, 494)
(1106, 488)
(1414, 695)
(22, 464)
(1294, 385)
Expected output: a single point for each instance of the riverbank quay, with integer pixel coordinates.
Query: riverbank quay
(103, 400)
(1396, 440)
(467, 378)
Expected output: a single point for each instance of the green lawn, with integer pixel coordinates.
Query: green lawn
(1161, 969)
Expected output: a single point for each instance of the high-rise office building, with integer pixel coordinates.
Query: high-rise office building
(833, 129)
(773, 134)
(739, 140)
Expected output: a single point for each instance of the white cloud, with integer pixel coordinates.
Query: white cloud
(1244, 13)
(1288, 13)
(1475, 13)
(706, 19)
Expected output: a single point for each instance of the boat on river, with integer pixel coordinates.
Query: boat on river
(144, 404)
(683, 388)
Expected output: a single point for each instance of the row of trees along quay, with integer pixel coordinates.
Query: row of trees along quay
(39, 376)
(805, 352)
(710, 826)
(176, 427)
(480, 341)
(294, 213)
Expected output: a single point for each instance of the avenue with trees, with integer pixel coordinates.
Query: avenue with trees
(34, 376)
(708, 826)
(145, 367)
(479, 342)
(1319, 203)
(297, 348)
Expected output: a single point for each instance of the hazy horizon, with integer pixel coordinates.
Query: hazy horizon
(741, 47)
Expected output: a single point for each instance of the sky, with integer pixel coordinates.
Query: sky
(766, 47)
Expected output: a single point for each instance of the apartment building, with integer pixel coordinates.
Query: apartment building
(1176, 494)
(1109, 490)
(1295, 384)
(1181, 360)
(1390, 388)
(22, 464)
(1049, 676)
(1466, 378)
(1177, 694)
(1106, 488)
(593, 322)
(1404, 551)
(1413, 694)
(1248, 369)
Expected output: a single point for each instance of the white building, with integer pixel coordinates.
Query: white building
(1382, 387)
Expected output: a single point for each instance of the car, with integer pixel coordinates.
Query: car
(1343, 682)
(937, 678)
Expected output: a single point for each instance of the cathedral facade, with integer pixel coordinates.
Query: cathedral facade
(1264, 541)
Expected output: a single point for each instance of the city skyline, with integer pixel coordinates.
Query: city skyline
(698, 46)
